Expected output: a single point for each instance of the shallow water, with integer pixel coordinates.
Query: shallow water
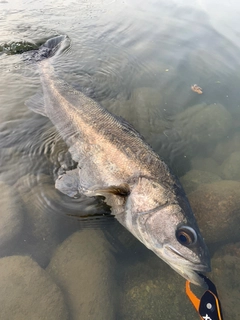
(139, 59)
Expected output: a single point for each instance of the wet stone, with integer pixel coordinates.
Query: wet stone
(155, 293)
(217, 210)
(28, 292)
(145, 111)
(40, 236)
(26, 183)
(225, 274)
(203, 125)
(231, 167)
(143, 299)
(11, 217)
(83, 267)
(13, 165)
(118, 107)
(205, 164)
(194, 178)
(224, 148)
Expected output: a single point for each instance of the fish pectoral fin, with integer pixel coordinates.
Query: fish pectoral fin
(36, 104)
(115, 196)
(122, 190)
(68, 183)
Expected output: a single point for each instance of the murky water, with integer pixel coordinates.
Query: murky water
(68, 258)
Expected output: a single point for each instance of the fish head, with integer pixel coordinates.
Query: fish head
(160, 216)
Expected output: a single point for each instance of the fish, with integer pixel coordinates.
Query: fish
(114, 162)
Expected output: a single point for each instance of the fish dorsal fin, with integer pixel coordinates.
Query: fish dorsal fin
(122, 190)
(36, 103)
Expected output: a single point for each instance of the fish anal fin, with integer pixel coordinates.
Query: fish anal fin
(36, 104)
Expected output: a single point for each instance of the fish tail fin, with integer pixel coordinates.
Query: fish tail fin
(57, 45)
(52, 47)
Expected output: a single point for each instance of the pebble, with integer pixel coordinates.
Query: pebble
(11, 217)
(28, 292)
(83, 266)
(217, 209)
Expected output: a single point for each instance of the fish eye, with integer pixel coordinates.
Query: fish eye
(186, 236)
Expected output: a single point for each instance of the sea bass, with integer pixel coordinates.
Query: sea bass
(114, 161)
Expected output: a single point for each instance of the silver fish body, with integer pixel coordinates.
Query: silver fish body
(114, 161)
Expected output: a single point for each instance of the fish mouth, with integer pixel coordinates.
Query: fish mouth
(189, 270)
(200, 267)
(191, 275)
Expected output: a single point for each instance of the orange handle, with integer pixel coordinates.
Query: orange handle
(195, 301)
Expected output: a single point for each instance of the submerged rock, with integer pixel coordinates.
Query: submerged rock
(205, 164)
(194, 178)
(193, 131)
(177, 94)
(11, 217)
(225, 275)
(41, 225)
(231, 167)
(83, 267)
(226, 147)
(14, 165)
(155, 293)
(153, 300)
(145, 111)
(119, 107)
(28, 292)
(217, 209)
(203, 124)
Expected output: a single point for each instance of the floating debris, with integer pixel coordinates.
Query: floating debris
(196, 88)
